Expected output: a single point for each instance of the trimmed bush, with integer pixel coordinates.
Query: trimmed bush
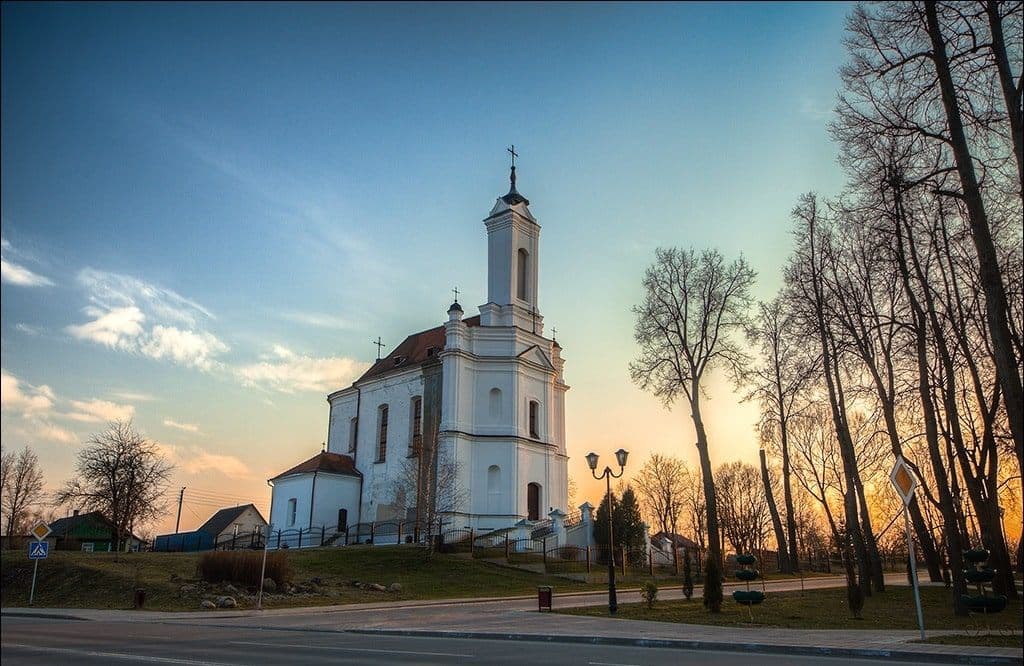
(243, 567)
(687, 575)
(649, 591)
(713, 583)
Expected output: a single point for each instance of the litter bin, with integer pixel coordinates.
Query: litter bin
(544, 597)
(139, 597)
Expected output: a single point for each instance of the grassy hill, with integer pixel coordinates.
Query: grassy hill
(323, 576)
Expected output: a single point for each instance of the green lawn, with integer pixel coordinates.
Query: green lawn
(821, 609)
(97, 580)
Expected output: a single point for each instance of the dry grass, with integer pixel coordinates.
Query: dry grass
(243, 566)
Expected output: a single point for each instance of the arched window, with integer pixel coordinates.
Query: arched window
(533, 501)
(534, 419)
(521, 273)
(416, 440)
(493, 489)
(494, 404)
(352, 430)
(382, 434)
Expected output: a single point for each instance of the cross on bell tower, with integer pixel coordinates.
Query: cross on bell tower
(380, 345)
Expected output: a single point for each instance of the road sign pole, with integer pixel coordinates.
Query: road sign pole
(32, 594)
(913, 571)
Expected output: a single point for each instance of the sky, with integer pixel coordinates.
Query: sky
(209, 211)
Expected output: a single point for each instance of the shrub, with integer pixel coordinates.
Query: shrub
(687, 575)
(243, 567)
(649, 591)
(713, 583)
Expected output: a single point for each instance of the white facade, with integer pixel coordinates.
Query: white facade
(501, 416)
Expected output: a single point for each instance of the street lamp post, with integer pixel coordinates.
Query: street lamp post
(608, 475)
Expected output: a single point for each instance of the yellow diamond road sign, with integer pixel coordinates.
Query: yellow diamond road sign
(41, 531)
(903, 480)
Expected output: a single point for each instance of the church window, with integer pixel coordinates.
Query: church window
(493, 488)
(353, 428)
(382, 434)
(342, 520)
(417, 426)
(521, 273)
(533, 501)
(292, 506)
(534, 416)
(495, 404)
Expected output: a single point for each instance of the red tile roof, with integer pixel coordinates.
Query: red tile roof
(335, 463)
(414, 350)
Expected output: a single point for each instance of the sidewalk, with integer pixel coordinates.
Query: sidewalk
(518, 619)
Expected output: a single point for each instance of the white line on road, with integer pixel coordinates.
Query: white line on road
(113, 655)
(350, 649)
(605, 663)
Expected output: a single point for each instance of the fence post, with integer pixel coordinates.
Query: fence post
(323, 534)
(588, 559)
(622, 549)
(279, 539)
(650, 561)
(373, 529)
(506, 548)
(399, 542)
(544, 557)
(471, 537)
(675, 557)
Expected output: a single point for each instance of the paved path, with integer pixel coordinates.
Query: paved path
(518, 618)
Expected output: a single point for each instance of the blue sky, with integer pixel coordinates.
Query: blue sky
(209, 211)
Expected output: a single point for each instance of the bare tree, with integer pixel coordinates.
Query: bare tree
(786, 563)
(661, 484)
(744, 508)
(777, 383)
(121, 474)
(22, 488)
(694, 304)
(431, 492)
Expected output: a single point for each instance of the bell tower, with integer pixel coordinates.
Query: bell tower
(513, 244)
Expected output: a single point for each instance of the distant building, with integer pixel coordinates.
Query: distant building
(91, 531)
(229, 528)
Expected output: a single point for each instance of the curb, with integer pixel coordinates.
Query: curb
(44, 615)
(682, 644)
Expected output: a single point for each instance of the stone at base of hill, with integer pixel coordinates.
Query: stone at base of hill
(230, 589)
(187, 589)
(207, 604)
(377, 587)
(226, 602)
(269, 585)
(395, 587)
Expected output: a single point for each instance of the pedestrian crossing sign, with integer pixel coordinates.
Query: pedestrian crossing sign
(38, 550)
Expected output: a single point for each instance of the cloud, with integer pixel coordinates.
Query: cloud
(187, 427)
(118, 328)
(27, 329)
(815, 109)
(47, 430)
(26, 401)
(99, 411)
(132, 396)
(17, 274)
(289, 372)
(317, 320)
(134, 316)
(196, 460)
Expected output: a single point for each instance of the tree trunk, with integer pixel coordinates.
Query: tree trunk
(780, 538)
(711, 505)
(1010, 96)
(996, 305)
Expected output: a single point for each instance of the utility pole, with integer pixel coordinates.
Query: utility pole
(181, 498)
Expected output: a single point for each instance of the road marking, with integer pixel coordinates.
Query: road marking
(348, 649)
(114, 655)
(605, 663)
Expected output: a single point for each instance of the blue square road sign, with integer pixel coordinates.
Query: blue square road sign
(38, 550)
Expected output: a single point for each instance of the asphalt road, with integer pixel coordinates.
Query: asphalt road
(48, 641)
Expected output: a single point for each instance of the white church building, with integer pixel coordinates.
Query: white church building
(487, 391)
